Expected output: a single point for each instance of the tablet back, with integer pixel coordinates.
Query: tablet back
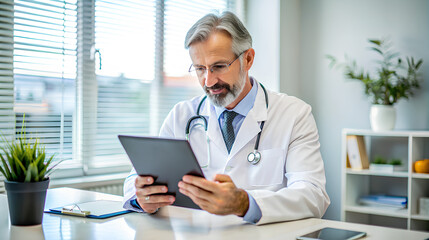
(167, 160)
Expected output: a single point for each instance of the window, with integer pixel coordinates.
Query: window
(44, 67)
(7, 119)
(125, 40)
(81, 72)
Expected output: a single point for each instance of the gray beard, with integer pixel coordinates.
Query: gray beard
(223, 100)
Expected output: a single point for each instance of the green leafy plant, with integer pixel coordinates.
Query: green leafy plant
(381, 160)
(393, 79)
(396, 162)
(23, 161)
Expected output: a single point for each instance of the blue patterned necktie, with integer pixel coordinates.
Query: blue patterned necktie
(227, 129)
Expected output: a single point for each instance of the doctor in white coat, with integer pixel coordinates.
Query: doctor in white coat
(287, 183)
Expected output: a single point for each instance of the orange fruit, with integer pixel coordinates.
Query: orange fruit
(421, 166)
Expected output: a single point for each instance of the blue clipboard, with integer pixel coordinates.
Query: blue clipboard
(99, 209)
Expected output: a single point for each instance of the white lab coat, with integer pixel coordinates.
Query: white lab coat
(289, 181)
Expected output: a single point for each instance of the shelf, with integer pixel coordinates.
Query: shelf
(376, 173)
(394, 133)
(420, 217)
(383, 211)
(407, 145)
(421, 175)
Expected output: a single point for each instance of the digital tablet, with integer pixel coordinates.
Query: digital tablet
(332, 234)
(166, 160)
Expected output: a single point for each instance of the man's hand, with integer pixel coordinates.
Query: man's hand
(220, 196)
(144, 192)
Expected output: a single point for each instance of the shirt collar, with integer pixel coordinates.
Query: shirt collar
(245, 105)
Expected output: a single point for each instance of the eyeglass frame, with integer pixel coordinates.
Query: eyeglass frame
(190, 70)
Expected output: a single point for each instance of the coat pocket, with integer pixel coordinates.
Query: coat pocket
(269, 170)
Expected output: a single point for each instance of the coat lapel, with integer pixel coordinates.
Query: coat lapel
(248, 130)
(251, 124)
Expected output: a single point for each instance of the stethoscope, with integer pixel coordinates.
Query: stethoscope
(253, 157)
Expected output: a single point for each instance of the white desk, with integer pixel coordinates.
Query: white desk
(168, 223)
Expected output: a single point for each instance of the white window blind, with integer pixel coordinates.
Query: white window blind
(124, 43)
(45, 72)
(7, 116)
(180, 15)
(143, 68)
(177, 84)
(50, 57)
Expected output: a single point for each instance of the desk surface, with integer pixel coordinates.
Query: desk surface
(169, 223)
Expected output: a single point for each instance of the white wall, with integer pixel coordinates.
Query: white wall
(290, 55)
(338, 27)
(262, 21)
(309, 30)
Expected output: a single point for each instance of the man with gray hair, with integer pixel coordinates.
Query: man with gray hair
(262, 158)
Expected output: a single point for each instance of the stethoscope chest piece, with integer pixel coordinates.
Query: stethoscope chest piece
(254, 157)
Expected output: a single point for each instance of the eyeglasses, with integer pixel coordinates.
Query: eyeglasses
(218, 68)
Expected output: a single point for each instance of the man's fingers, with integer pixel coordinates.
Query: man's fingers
(156, 199)
(222, 178)
(196, 191)
(195, 198)
(146, 198)
(200, 182)
(152, 207)
(151, 203)
(149, 190)
(142, 181)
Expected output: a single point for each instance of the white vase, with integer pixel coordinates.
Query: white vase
(382, 117)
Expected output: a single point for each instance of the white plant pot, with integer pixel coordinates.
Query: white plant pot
(382, 117)
(386, 168)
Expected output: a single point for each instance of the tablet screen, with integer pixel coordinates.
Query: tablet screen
(333, 234)
(166, 160)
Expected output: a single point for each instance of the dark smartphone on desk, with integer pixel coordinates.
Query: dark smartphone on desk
(332, 234)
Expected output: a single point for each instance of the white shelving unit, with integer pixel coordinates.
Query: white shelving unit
(409, 146)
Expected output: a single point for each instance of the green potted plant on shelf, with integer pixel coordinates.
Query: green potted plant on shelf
(392, 80)
(26, 168)
(381, 164)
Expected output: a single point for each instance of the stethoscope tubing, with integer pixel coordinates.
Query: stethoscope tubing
(253, 157)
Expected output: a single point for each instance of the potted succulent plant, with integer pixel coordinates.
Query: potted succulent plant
(26, 167)
(392, 80)
(380, 164)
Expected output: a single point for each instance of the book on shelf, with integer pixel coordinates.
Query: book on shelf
(356, 152)
(348, 162)
(384, 201)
